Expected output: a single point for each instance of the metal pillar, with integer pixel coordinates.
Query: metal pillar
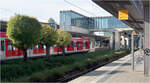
(147, 41)
(92, 44)
(117, 40)
(113, 44)
(112, 40)
(140, 41)
(127, 42)
(132, 52)
(122, 41)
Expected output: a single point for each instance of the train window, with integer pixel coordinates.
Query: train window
(9, 43)
(68, 46)
(81, 44)
(14, 48)
(77, 44)
(2, 45)
(72, 44)
(37, 47)
(86, 43)
(54, 46)
(9, 47)
(43, 46)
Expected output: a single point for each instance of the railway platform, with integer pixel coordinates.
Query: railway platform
(118, 71)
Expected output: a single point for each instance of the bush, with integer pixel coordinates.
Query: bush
(43, 70)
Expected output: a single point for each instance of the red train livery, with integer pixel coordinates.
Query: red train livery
(8, 51)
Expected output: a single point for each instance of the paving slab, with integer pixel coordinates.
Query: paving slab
(118, 71)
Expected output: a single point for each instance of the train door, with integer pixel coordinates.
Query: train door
(56, 49)
(11, 50)
(70, 47)
(79, 45)
(87, 46)
(75, 45)
(2, 48)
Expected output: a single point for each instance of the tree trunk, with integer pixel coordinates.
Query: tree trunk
(47, 51)
(63, 50)
(25, 55)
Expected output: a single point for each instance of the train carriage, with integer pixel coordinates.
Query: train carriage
(8, 51)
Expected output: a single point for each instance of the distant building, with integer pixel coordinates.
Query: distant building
(52, 23)
(3, 26)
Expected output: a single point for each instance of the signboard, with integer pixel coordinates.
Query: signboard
(123, 15)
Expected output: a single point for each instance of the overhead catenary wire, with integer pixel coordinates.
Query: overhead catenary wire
(93, 4)
(80, 8)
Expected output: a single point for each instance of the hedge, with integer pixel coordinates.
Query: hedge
(43, 70)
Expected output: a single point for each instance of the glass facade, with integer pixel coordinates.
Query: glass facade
(71, 18)
(3, 26)
(107, 22)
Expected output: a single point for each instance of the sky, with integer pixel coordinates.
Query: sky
(45, 9)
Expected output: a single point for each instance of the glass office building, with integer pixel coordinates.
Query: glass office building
(71, 18)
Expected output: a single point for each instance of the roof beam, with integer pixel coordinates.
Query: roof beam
(117, 2)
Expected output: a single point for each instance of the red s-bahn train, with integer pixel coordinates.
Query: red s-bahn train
(8, 51)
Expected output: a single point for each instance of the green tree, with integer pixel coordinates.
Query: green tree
(64, 38)
(52, 23)
(49, 37)
(23, 31)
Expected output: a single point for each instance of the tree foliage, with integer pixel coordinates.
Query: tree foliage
(23, 31)
(64, 38)
(52, 22)
(48, 37)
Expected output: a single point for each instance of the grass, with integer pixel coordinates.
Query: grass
(42, 70)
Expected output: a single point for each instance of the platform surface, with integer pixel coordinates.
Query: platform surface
(118, 71)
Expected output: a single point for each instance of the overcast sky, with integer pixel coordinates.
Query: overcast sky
(45, 9)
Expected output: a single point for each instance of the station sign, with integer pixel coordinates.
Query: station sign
(123, 15)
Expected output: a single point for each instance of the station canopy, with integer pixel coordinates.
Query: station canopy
(135, 10)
